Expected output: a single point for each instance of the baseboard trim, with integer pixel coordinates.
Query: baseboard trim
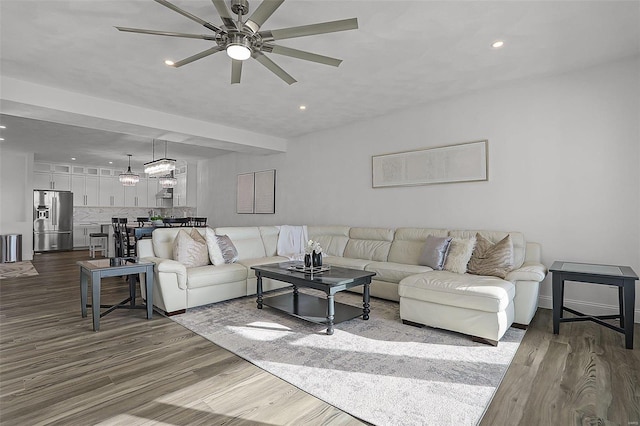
(546, 302)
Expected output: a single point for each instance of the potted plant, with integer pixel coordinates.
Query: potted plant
(156, 220)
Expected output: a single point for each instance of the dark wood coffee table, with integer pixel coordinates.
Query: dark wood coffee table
(312, 308)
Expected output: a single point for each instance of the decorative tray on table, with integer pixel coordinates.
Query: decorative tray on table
(309, 269)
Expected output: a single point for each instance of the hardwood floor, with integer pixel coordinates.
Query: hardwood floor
(55, 370)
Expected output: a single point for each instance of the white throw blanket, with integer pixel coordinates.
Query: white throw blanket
(291, 241)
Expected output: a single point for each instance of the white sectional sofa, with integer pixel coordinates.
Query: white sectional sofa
(177, 288)
(481, 306)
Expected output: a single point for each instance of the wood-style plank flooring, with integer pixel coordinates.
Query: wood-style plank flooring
(55, 370)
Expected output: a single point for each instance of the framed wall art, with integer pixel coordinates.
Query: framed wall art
(466, 162)
(256, 193)
(245, 193)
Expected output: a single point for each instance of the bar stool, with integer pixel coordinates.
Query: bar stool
(98, 242)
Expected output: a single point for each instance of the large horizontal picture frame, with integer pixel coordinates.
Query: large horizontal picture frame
(465, 162)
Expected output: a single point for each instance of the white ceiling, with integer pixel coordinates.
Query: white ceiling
(405, 53)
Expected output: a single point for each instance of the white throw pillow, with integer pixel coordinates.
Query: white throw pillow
(460, 251)
(215, 254)
(189, 251)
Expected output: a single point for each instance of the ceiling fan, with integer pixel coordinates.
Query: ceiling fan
(243, 39)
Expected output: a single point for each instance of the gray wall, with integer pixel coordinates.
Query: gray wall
(564, 153)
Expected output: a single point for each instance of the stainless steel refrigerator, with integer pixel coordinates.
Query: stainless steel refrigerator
(52, 220)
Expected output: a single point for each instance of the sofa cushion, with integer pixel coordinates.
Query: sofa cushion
(215, 254)
(248, 263)
(477, 292)
(346, 262)
(190, 249)
(517, 238)
(460, 251)
(162, 241)
(332, 239)
(408, 243)
(246, 239)
(269, 236)
(394, 272)
(205, 276)
(229, 251)
(492, 259)
(434, 252)
(369, 243)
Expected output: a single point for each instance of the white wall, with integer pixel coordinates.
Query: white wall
(16, 208)
(564, 156)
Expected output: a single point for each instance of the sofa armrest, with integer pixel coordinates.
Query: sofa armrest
(145, 248)
(170, 266)
(529, 271)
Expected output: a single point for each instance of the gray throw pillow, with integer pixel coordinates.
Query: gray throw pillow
(434, 252)
(229, 251)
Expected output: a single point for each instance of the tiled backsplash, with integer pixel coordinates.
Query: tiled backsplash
(104, 214)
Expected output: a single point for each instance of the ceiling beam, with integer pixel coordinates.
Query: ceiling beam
(30, 100)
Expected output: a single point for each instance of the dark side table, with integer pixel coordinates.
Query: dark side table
(94, 270)
(622, 277)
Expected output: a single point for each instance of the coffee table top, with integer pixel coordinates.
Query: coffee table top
(333, 277)
(593, 269)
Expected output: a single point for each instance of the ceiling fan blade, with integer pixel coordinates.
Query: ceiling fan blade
(313, 29)
(262, 13)
(236, 71)
(224, 13)
(301, 54)
(189, 15)
(166, 33)
(197, 56)
(271, 66)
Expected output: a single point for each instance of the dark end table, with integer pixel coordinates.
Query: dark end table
(622, 277)
(94, 270)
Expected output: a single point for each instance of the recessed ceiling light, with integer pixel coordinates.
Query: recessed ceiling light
(73, 158)
(110, 162)
(169, 62)
(1, 139)
(302, 107)
(3, 127)
(497, 44)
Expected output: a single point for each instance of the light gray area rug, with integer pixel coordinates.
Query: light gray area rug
(17, 270)
(380, 370)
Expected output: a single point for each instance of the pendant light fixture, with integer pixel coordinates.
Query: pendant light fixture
(168, 181)
(161, 167)
(129, 178)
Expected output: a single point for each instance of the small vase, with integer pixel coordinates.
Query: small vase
(307, 260)
(317, 259)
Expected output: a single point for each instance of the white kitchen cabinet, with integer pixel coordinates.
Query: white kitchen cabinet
(85, 190)
(136, 196)
(111, 192)
(153, 187)
(85, 170)
(184, 193)
(52, 176)
(81, 234)
(41, 180)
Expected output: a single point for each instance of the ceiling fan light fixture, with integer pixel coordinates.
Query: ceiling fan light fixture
(238, 48)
